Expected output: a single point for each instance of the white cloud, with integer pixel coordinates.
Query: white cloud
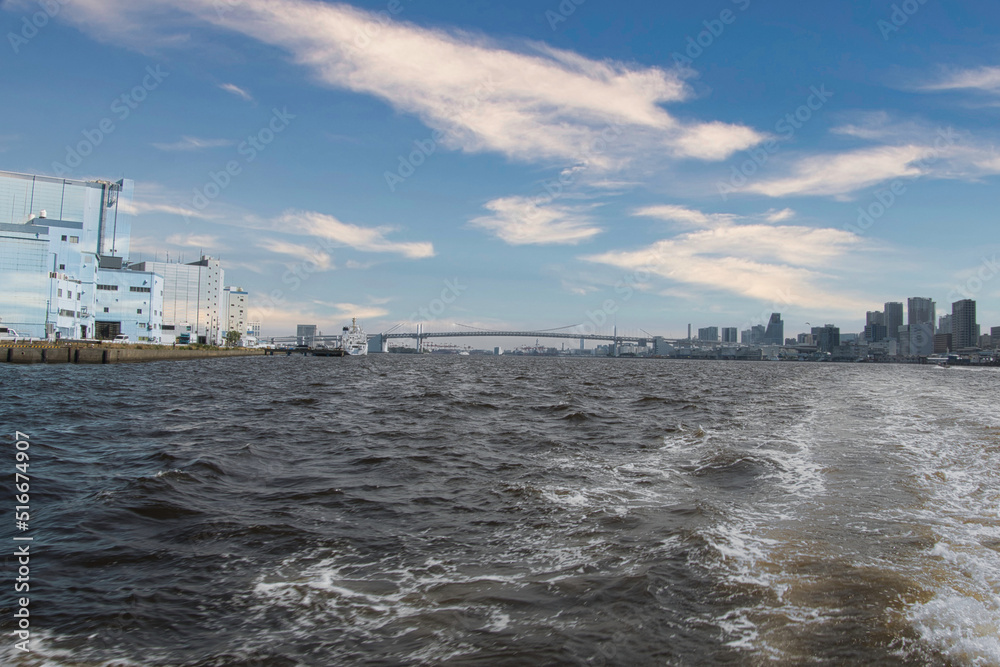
(780, 216)
(523, 221)
(236, 90)
(343, 311)
(321, 260)
(986, 79)
(686, 216)
(772, 263)
(193, 240)
(841, 173)
(193, 144)
(530, 103)
(141, 206)
(367, 239)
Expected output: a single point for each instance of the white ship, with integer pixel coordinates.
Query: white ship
(354, 340)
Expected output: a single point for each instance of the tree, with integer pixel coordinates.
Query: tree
(232, 338)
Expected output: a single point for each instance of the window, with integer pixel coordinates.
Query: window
(62, 267)
(60, 292)
(138, 311)
(138, 289)
(108, 288)
(69, 294)
(64, 237)
(74, 239)
(106, 310)
(78, 295)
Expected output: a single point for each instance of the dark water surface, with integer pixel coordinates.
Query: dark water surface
(399, 510)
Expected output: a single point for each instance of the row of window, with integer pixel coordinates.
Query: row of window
(72, 239)
(108, 288)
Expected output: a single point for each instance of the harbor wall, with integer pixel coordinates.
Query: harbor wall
(50, 354)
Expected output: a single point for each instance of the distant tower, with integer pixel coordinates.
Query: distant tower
(689, 332)
(893, 318)
(963, 324)
(775, 332)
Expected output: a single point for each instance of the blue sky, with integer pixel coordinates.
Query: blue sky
(533, 164)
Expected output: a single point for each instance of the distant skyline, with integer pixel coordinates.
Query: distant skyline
(533, 165)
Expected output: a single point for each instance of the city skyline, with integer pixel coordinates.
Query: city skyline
(359, 178)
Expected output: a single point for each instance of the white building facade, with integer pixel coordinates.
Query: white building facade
(59, 240)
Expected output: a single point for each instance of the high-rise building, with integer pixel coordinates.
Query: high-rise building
(729, 335)
(963, 324)
(875, 317)
(775, 332)
(710, 334)
(920, 311)
(893, 315)
(826, 337)
(903, 336)
(63, 247)
(875, 333)
(192, 299)
(944, 324)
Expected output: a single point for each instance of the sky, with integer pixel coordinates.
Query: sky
(531, 165)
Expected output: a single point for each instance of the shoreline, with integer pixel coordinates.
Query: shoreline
(78, 354)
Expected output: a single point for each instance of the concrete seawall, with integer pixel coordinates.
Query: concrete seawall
(38, 354)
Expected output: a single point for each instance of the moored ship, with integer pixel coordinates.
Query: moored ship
(354, 340)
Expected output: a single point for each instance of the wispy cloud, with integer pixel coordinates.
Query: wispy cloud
(193, 144)
(772, 263)
(366, 239)
(236, 90)
(193, 240)
(531, 102)
(684, 216)
(524, 221)
(317, 257)
(986, 79)
(842, 173)
(143, 206)
(343, 311)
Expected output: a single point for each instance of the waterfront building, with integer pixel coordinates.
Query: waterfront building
(709, 334)
(61, 240)
(903, 336)
(893, 315)
(875, 333)
(826, 337)
(942, 343)
(729, 335)
(963, 324)
(944, 324)
(920, 311)
(775, 332)
(235, 304)
(306, 334)
(193, 301)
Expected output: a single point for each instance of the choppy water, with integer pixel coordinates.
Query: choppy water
(401, 510)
